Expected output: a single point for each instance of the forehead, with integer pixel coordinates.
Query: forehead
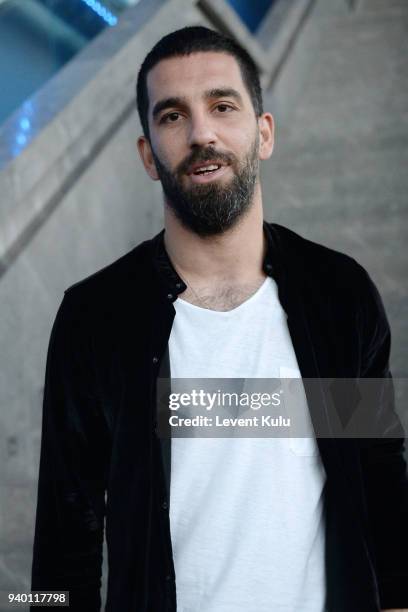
(191, 75)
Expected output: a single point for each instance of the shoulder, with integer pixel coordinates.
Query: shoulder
(331, 277)
(119, 287)
(113, 275)
(316, 264)
(124, 280)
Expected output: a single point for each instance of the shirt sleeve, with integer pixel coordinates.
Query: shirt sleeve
(69, 526)
(382, 460)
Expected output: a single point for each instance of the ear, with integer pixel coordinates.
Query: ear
(145, 152)
(267, 135)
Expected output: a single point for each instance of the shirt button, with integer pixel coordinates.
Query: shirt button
(165, 505)
(168, 578)
(170, 296)
(155, 359)
(179, 286)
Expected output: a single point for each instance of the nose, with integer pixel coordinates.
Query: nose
(201, 130)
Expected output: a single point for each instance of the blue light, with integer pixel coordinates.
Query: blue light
(24, 128)
(25, 124)
(21, 139)
(102, 11)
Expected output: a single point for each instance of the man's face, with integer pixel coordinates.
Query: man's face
(204, 139)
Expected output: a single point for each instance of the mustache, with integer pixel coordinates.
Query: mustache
(205, 155)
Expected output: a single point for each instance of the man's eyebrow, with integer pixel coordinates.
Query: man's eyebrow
(167, 103)
(223, 92)
(217, 92)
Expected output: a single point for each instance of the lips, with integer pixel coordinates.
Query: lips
(208, 176)
(204, 168)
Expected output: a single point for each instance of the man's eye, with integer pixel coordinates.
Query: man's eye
(170, 118)
(224, 108)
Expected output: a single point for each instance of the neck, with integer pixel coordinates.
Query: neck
(236, 255)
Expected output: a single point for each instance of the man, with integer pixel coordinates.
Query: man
(218, 524)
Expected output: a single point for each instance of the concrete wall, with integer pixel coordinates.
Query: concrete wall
(338, 176)
(338, 173)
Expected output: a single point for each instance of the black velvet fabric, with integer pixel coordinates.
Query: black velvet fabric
(101, 457)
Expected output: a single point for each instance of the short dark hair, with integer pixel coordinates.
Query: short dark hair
(195, 39)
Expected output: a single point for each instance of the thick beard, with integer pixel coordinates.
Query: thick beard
(211, 209)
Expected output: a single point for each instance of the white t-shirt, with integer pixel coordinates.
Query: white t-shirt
(246, 514)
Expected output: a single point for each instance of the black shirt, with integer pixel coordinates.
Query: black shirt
(101, 455)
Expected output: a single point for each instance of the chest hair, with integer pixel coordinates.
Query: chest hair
(223, 297)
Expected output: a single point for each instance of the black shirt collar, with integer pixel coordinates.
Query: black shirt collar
(174, 284)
